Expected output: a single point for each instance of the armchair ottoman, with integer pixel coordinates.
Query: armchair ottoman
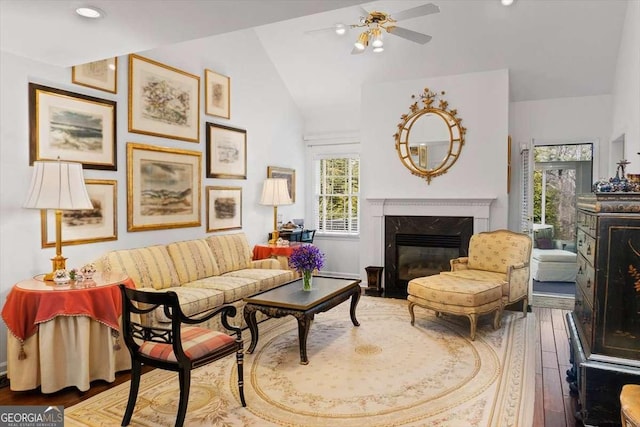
(458, 296)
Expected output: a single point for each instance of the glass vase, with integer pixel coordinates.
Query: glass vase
(307, 280)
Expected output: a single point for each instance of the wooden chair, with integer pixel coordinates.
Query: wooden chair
(307, 236)
(176, 347)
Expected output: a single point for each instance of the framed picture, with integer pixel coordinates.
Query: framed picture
(102, 75)
(217, 93)
(163, 187)
(288, 174)
(224, 208)
(72, 127)
(99, 224)
(163, 101)
(226, 152)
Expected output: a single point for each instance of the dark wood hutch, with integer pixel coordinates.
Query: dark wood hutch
(604, 327)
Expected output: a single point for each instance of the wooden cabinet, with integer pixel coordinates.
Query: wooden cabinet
(604, 327)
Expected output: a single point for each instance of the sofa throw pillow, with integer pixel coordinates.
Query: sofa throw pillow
(544, 243)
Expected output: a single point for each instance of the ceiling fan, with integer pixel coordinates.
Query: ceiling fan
(375, 23)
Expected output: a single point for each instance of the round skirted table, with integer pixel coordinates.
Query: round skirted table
(65, 335)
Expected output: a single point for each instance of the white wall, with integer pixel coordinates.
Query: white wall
(482, 101)
(585, 118)
(626, 90)
(260, 103)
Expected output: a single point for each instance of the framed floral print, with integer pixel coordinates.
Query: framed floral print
(224, 208)
(71, 127)
(99, 224)
(217, 94)
(226, 152)
(284, 173)
(102, 75)
(163, 187)
(163, 101)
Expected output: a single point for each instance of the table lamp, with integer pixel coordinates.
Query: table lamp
(57, 185)
(275, 193)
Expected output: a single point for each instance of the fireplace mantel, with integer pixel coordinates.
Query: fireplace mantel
(478, 207)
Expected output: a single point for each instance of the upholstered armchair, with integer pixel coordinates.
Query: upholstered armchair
(498, 256)
(495, 274)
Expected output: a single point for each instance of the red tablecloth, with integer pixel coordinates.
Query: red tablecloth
(29, 304)
(267, 251)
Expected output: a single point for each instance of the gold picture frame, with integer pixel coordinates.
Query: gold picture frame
(99, 224)
(508, 164)
(224, 208)
(217, 94)
(163, 101)
(71, 127)
(101, 75)
(226, 152)
(285, 173)
(163, 187)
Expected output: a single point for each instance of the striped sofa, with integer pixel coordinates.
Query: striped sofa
(204, 273)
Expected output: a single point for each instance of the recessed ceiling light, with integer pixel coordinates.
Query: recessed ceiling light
(90, 12)
(506, 2)
(340, 29)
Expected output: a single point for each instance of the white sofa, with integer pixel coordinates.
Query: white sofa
(553, 265)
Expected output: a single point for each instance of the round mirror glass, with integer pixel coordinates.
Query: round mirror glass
(429, 141)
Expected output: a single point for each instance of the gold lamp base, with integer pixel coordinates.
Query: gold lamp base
(274, 237)
(57, 263)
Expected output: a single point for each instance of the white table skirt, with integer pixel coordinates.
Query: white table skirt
(66, 351)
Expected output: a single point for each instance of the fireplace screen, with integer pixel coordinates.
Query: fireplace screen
(416, 261)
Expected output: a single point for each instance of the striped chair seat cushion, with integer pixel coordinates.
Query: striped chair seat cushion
(233, 288)
(196, 342)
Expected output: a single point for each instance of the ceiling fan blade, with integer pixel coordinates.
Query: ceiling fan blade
(332, 29)
(414, 36)
(414, 12)
(363, 11)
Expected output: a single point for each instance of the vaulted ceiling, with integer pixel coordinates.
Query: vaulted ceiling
(552, 48)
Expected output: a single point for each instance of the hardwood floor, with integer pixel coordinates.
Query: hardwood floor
(553, 406)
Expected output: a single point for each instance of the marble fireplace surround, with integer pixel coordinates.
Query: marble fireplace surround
(478, 208)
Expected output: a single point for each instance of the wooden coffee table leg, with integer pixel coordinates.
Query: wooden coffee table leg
(304, 324)
(355, 298)
(250, 319)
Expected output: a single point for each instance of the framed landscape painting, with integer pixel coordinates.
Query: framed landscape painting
(224, 208)
(102, 75)
(71, 127)
(217, 94)
(163, 187)
(163, 101)
(284, 173)
(226, 152)
(99, 224)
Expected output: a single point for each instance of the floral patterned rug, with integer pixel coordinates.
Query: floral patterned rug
(382, 373)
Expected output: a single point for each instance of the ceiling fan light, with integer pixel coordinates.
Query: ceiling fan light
(377, 37)
(363, 41)
(341, 29)
(506, 2)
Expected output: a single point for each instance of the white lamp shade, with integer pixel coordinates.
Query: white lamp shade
(57, 185)
(275, 192)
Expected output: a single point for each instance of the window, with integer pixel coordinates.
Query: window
(337, 202)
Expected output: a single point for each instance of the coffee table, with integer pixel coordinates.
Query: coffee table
(290, 300)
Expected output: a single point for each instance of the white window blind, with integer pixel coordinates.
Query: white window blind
(337, 201)
(525, 191)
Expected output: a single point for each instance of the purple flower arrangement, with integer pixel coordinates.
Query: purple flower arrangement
(306, 258)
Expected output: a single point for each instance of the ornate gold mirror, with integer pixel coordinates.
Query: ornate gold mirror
(429, 139)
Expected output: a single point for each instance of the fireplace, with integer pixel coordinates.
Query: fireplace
(417, 246)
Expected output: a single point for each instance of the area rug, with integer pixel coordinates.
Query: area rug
(382, 373)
